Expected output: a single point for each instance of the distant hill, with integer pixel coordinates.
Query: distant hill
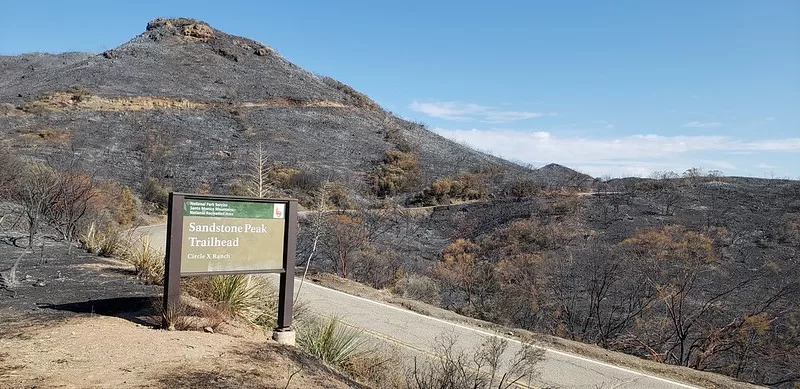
(555, 175)
(187, 104)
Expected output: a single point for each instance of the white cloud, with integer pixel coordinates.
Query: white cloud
(447, 110)
(604, 123)
(702, 124)
(765, 166)
(792, 144)
(714, 164)
(629, 155)
(492, 116)
(769, 118)
(472, 112)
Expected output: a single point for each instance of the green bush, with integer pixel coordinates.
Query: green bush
(240, 296)
(462, 187)
(398, 172)
(337, 195)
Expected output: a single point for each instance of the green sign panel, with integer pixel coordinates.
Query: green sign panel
(234, 209)
(232, 236)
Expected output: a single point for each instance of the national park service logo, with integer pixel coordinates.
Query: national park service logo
(278, 211)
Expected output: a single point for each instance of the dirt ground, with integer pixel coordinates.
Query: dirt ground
(81, 321)
(93, 351)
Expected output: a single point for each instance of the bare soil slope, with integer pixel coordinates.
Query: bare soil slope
(103, 352)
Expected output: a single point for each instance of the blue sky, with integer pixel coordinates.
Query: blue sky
(609, 88)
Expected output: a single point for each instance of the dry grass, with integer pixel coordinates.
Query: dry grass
(485, 368)
(214, 301)
(78, 99)
(176, 315)
(90, 240)
(108, 242)
(378, 367)
(111, 242)
(105, 236)
(188, 314)
(147, 261)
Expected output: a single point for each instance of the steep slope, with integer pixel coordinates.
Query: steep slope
(177, 58)
(13, 70)
(187, 104)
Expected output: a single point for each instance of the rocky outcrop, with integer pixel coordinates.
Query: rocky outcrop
(191, 29)
(198, 31)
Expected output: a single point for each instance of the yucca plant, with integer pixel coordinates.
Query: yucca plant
(240, 296)
(331, 340)
(253, 299)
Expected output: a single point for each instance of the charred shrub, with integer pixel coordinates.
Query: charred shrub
(156, 192)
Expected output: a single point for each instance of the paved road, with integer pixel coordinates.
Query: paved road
(418, 333)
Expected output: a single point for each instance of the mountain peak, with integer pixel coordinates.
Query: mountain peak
(188, 30)
(173, 23)
(192, 29)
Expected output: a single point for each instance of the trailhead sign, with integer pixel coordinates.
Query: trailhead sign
(216, 235)
(224, 236)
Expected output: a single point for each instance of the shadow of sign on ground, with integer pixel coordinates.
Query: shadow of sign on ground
(133, 309)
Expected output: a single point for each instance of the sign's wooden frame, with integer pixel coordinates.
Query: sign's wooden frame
(172, 260)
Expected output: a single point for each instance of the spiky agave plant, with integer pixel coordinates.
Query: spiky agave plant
(240, 296)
